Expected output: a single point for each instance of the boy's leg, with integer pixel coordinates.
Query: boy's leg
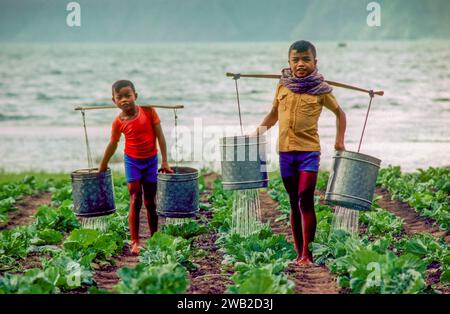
(306, 188)
(133, 175)
(150, 205)
(291, 186)
(149, 183)
(289, 175)
(135, 191)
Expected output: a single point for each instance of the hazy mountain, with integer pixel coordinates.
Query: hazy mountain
(221, 20)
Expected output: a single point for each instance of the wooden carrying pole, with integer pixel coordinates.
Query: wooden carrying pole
(112, 107)
(278, 76)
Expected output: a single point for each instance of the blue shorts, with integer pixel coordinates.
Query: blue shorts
(144, 169)
(293, 162)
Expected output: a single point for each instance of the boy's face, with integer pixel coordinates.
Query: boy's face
(124, 98)
(302, 63)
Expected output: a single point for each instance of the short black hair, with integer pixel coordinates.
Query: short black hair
(118, 85)
(303, 46)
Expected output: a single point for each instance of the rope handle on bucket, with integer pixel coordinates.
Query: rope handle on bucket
(235, 78)
(88, 148)
(176, 137)
(371, 94)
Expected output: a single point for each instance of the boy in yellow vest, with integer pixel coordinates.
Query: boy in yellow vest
(300, 96)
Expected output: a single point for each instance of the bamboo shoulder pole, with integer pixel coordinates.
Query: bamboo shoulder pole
(278, 76)
(112, 107)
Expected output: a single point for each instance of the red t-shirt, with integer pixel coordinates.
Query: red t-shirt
(140, 141)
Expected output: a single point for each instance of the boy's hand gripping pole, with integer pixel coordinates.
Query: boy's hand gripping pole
(237, 76)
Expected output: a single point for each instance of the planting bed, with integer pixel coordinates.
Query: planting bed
(43, 248)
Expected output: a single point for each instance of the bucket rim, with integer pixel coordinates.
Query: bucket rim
(243, 136)
(175, 214)
(340, 154)
(243, 140)
(194, 172)
(89, 171)
(96, 214)
(241, 144)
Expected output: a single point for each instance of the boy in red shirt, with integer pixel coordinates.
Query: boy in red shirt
(141, 127)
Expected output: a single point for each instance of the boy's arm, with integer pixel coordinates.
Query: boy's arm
(163, 147)
(330, 102)
(271, 118)
(341, 124)
(269, 121)
(109, 151)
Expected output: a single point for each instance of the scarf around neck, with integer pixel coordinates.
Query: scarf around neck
(313, 84)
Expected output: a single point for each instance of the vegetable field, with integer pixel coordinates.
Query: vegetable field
(402, 244)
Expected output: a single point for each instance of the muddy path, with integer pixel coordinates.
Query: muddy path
(209, 277)
(413, 222)
(26, 208)
(107, 277)
(308, 279)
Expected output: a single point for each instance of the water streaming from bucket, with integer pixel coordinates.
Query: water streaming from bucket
(246, 215)
(97, 223)
(346, 219)
(177, 221)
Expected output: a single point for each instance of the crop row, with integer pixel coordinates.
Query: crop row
(379, 260)
(427, 191)
(11, 192)
(68, 252)
(259, 260)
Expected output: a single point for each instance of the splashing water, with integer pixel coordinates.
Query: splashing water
(346, 219)
(98, 223)
(246, 216)
(176, 221)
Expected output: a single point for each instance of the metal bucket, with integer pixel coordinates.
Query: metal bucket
(243, 160)
(177, 193)
(352, 180)
(92, 192)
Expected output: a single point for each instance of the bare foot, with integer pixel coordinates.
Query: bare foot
(134, 248)
(304, 261)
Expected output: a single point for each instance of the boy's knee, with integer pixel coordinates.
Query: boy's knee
(305, 194)
(135, 197)
(149, 187)
(150, 203)
(134, 187)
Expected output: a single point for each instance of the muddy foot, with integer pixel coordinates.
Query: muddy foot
(134, 248)
(304, 261)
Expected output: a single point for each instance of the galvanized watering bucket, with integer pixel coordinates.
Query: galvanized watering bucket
(177, 193)
(243, 161)
(352, 180)
(92, 192)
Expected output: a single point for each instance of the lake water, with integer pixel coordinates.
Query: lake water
(41, 84)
